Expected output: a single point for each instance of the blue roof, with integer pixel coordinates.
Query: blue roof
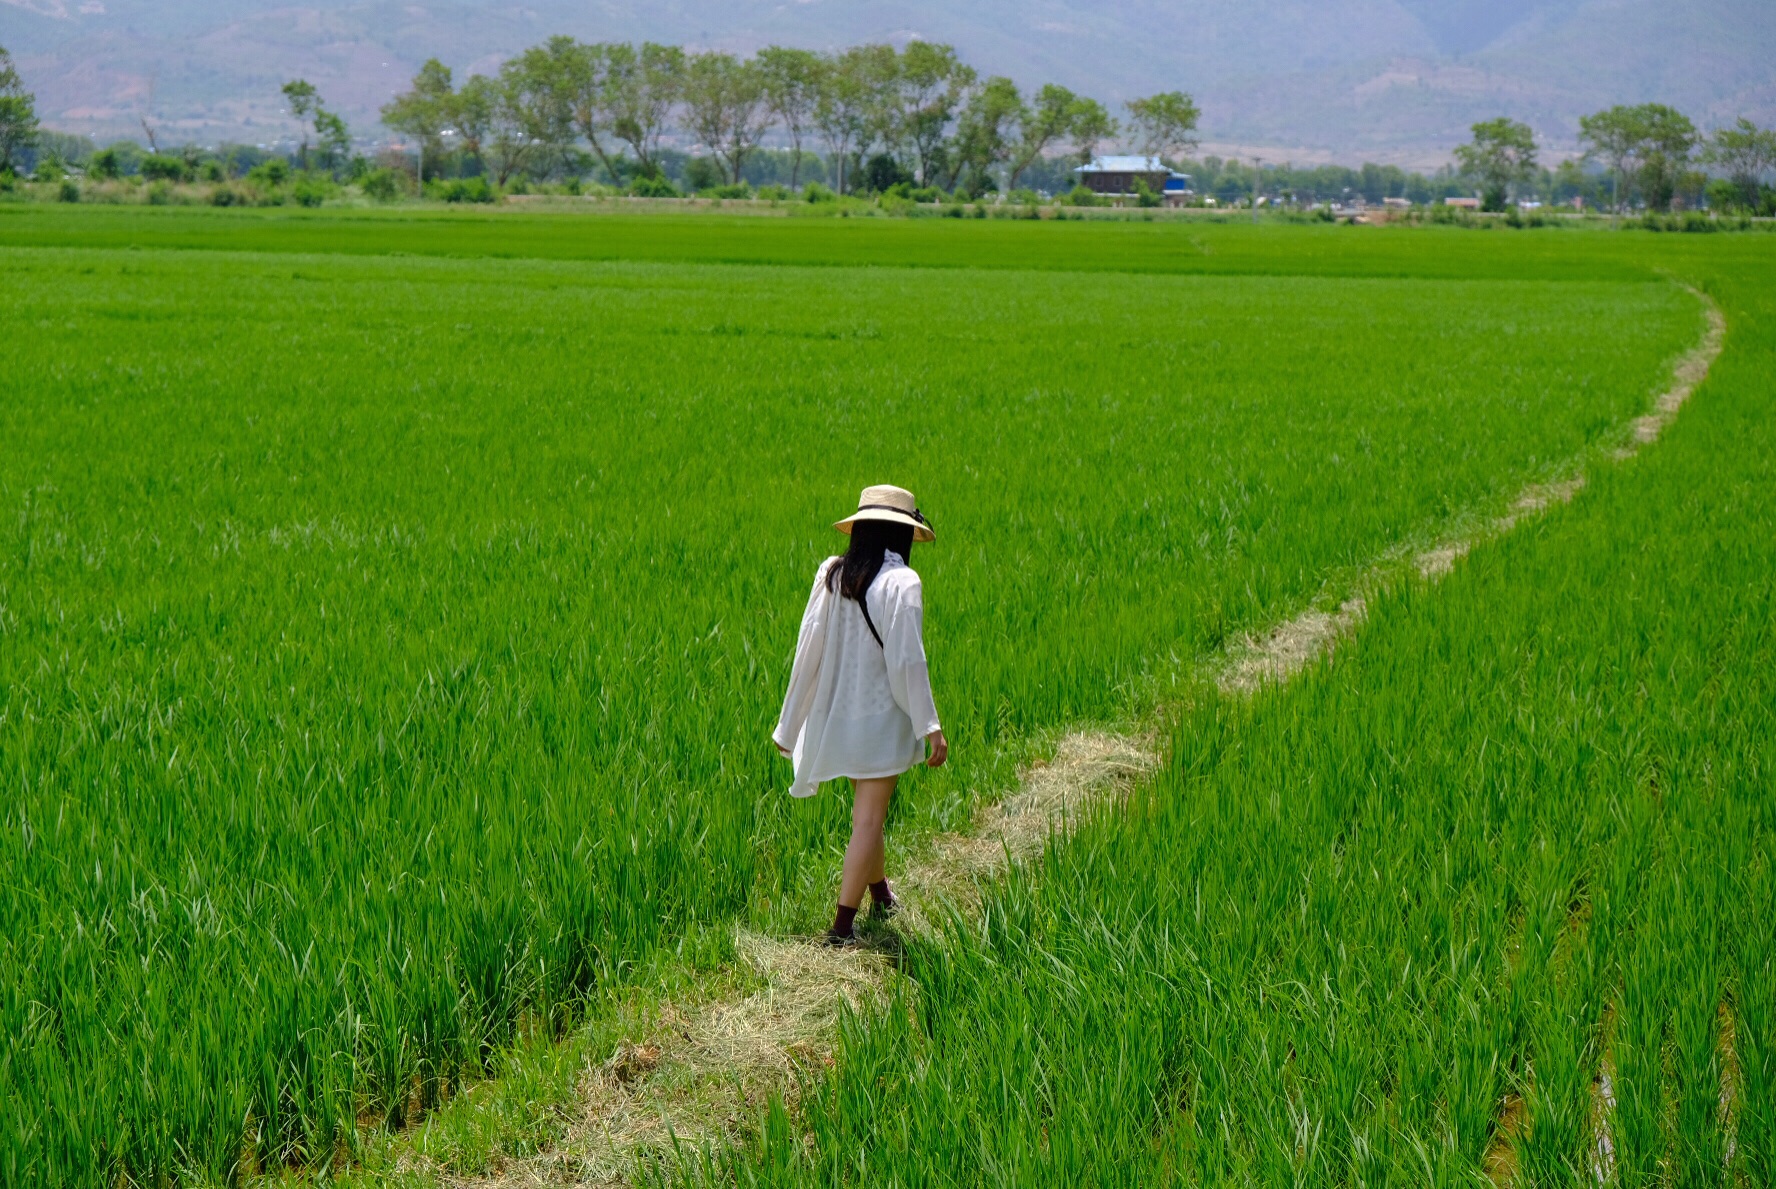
(1126, 165)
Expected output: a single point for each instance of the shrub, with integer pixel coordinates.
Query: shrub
(384, 185)
(274, 172)
(104, 164)
(1081, 195)
(1024, 196)
(883, 172)
(473, 189)
(927, 194)
(162, 167)
(69, 191)
(700, 174)
(773, 193)
(160, 193)
(653, 187)
(309, 191)
(815, 192)
(212, 171)
(49, 169)
(730, 191)
(224, 196)
(1144, 194)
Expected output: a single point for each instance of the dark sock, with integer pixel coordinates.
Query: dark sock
(881, 893)
(842, 921)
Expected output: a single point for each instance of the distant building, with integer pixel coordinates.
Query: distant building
(1466, 204)
(1117, 175)
(1396, 203)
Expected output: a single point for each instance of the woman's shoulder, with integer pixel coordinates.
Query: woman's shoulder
(901, 577)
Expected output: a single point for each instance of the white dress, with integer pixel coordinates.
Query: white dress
(854, 707)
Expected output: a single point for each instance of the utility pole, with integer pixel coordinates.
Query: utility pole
(1257, 176)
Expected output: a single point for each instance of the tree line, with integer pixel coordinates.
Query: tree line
(1649, 151)
(880, 117)
(922, 109)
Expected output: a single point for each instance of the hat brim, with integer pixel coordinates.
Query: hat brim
(921, 532)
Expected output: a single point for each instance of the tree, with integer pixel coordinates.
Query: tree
(791, 82)
(724, 102)
(18, 113)
(1091, 123)
(884, 124)
(1164, 124)
(474, 111)
(1613, 136)
(589, 96)
(333, 139)
(426, 110)
(1058, 114)
(1569, 181)
(1656, 139)
(1667, 137)
(305, 101)
(1502, 152)
(507, 122)
(1744, 153)
(932, 85)
(843, 108)
(984, 130)
(642, 88)
(536, 104)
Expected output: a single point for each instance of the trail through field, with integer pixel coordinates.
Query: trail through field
(698, 1075)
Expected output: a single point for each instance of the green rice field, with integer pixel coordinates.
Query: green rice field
(394, 609)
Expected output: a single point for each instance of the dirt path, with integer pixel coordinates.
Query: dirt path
(700, 1072)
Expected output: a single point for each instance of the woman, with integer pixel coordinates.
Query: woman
(859, 702)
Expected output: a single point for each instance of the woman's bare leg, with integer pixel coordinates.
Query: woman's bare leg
(866, 857)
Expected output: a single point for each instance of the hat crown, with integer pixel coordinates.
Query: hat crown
(887, 496)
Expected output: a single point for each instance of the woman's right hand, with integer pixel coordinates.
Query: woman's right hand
(940, 749)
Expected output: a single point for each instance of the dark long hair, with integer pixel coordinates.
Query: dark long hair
(854, 572)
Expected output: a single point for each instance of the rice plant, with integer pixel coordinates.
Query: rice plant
(388, 643)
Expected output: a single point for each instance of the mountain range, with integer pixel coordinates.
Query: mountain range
(1383, 80)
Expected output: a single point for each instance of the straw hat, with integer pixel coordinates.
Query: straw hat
(893, 504)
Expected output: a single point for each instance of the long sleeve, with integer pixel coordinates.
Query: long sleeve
(903, 648)
(803, 673)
